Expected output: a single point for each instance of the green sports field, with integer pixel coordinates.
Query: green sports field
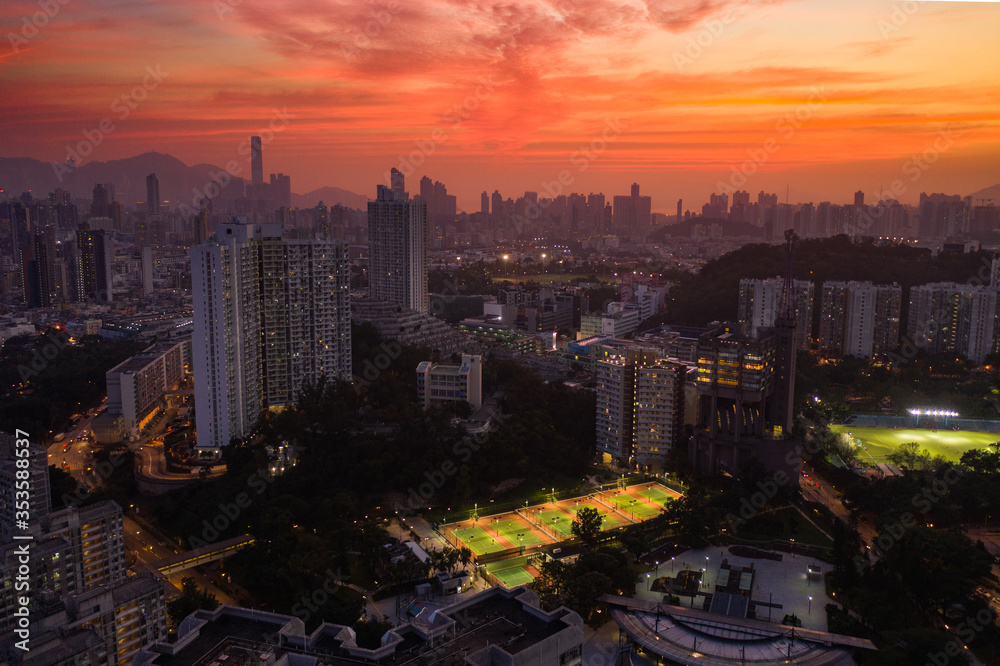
(608, 521)
(637, 508)
(511, 528)
(477, 540)
(558, 521)
(951, 444)
(513, 577)
(657, 495)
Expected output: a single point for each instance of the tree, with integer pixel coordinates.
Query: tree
(192, 598)
(587, 525)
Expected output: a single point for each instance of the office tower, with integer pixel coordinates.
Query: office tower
(484, 203)
(281, 190)
(271, 316)
(96, 257)
(99, 205)
(632, 214)
(859, 319)
(305, 315)
(859, 199)
(226, 343)
(742, 403)
(960, 318)
(396, 184)
(397, 247)
(152, 195)
(640, 408)
(759, 302)
(256, 162)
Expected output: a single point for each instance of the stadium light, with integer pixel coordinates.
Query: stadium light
(933, 412)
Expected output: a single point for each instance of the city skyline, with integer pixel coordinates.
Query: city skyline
(511, 97)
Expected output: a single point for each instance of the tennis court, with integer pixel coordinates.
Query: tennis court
(609, 520)
(513, 576)
(657, 495)
(478, 541)
(557, 521)
(516, 532)
(635, 507)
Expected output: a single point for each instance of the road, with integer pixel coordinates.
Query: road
(816, 489)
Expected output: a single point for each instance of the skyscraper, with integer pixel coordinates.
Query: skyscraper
(256, 162)
(226, 343)
(397, 247)
(271, 315)
(152, 195)
(96, 257)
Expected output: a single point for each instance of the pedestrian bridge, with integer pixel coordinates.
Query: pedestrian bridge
(204, 555)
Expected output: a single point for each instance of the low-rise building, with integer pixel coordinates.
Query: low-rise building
(438, 383)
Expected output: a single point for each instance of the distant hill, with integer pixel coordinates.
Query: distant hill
(991, 192)
(178, 181)
(330, 196)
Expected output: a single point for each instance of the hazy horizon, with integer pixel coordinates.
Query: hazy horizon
(823, 99)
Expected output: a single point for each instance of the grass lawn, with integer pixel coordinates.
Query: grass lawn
(951, 444)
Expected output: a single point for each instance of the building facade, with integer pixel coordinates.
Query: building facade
(760, 301)
(438, 383)
(859, 319)
(397, 247)
(952, 317)
(640, 408)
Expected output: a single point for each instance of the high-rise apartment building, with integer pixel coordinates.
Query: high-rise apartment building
(397, 247)
(84, 607)
(96, 258)
(640, 408)
(228, 392)
(960, 318)
(859, 319)
(271, 315)
(759, 303)
(305, 315)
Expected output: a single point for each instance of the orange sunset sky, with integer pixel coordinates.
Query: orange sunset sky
(824, 97)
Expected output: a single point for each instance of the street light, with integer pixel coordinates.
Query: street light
(810, 605)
